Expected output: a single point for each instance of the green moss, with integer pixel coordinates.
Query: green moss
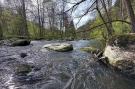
(89, 49)
(65, 49)
(23, 69)
(21, 42)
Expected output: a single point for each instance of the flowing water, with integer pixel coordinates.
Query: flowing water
(58, 70)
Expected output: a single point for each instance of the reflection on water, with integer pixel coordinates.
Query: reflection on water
(57, 70)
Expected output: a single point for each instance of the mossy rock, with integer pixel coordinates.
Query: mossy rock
(59, 47)
(21, 42)
(8, 42)
(124, 64)
(121, 59)
(66, 49)
(90, 49)
(22, 69)
(122, 40)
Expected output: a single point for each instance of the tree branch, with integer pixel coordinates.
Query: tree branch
(104, 24)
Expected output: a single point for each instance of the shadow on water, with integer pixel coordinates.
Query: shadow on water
(57, 70)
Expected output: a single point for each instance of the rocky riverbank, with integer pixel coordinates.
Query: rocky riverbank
(120, 53)
(15, 42)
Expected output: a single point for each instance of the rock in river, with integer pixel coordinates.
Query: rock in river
(23, 55)
(122, 57)
(60, 47)
(22, 69)
(90, 49)
(22, 42)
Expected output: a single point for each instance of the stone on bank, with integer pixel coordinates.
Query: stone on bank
(21, 42)
(121, 54)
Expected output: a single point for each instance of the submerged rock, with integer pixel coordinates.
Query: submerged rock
(22, 69)
(122, 56)
(60, 47)
(5, 42)
(23, 55)
(90, 49)
(22, 42)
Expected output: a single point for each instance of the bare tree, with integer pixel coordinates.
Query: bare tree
(24, 31)
(18, 8)
(1, 31)
(131, 13)
(51, 16)
(107, 5)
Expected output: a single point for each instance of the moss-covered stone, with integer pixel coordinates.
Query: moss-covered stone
(121, 59)
(120, 53)
(60, 47)
(90, 49)
(124, 65)
(22, 69)
(21, 42)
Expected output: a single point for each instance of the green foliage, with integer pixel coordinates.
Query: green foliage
(12, 24)
(122, 39)
(89, 49)
(121, 28)
(101, 31)
(33, 30)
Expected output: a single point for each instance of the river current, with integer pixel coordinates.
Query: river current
(58, 70)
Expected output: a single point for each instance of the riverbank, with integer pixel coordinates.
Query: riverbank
(120, 53)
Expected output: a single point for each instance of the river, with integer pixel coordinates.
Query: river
(58, 70)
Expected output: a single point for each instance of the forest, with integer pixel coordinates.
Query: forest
(54, 19)
(35, 19)
(67, 44)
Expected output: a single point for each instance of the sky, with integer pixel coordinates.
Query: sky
(80, 11)
(77, 12)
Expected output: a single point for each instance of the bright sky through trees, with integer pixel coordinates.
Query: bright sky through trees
(80, 10)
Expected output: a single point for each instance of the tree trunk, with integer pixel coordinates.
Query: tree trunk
(131, 14)
(1, 31)
(24, 31)
(108, 14)
(108, 30)
(39, 19)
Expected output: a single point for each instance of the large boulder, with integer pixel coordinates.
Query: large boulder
(121, 55)
(60, 47)
(21, 42)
